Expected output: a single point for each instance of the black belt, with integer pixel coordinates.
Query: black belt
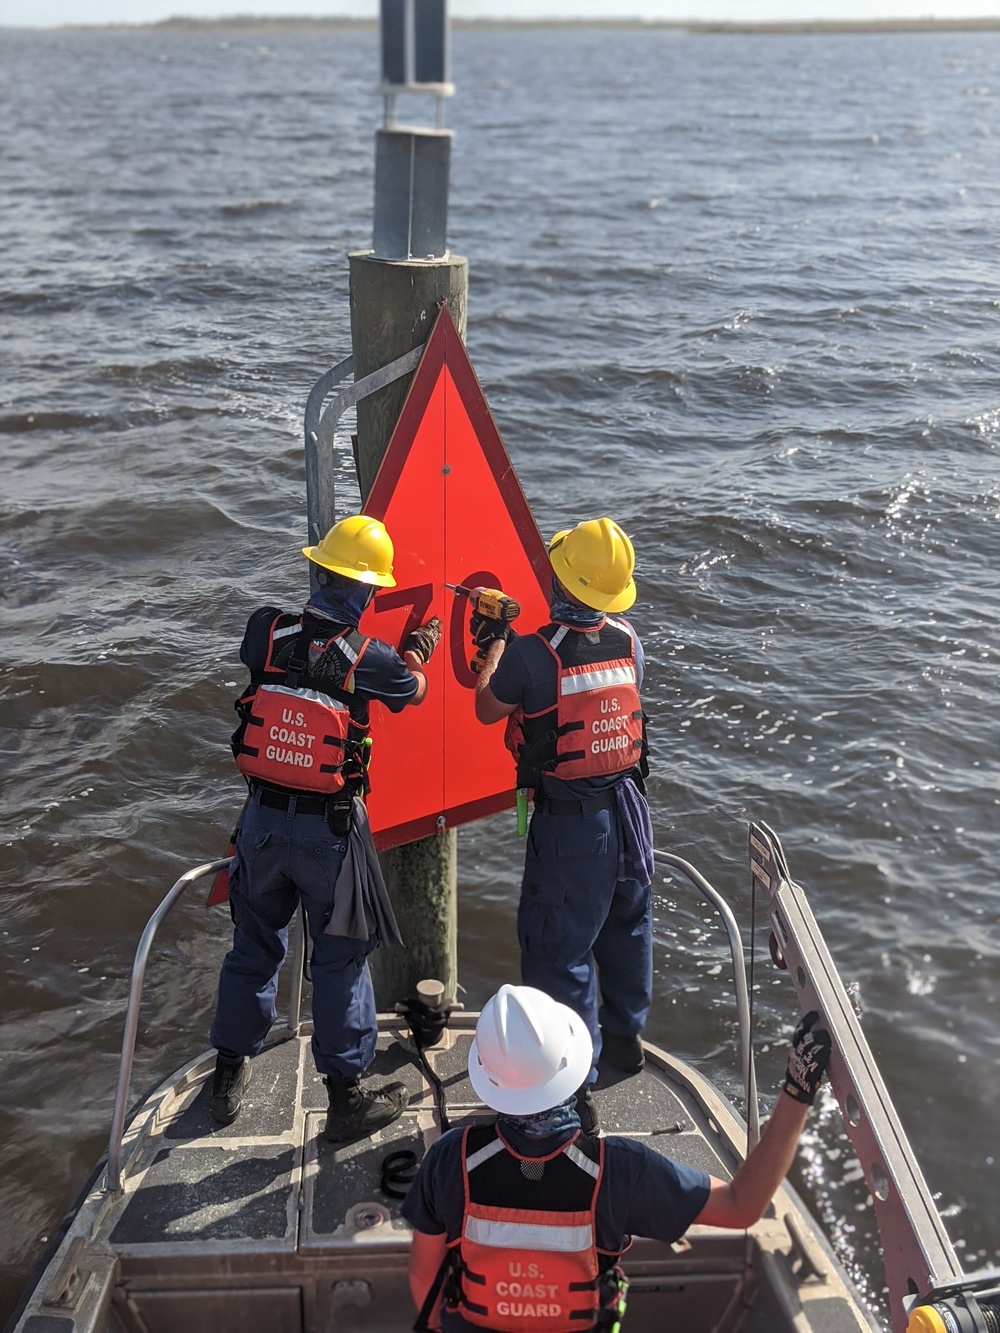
(280, 800)
(550, 806)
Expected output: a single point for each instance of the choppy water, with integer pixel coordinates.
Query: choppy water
(739, 292)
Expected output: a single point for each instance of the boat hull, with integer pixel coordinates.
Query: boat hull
(264, 1224)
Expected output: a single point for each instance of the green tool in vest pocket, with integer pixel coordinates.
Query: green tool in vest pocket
(522, 812)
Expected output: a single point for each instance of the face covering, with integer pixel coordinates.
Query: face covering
(545, 1123)
(341, 600)
(566, 612)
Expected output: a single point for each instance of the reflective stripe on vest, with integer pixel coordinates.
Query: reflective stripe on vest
(344, 646)
(581, 1160)
(579, 680)
(484, 1154)
(526, 1235)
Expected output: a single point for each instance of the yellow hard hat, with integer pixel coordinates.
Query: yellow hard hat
(357, 547)
(594, 563)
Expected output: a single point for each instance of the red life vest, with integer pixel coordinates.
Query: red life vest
(528, 1257)
(596, 727)
(297, 731)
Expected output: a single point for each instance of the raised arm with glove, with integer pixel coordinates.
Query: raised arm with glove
(485, 633)
(416, 653)
(741, 1202)
(486, 630)
(423, 640)
(490, 622)
(807, 1060)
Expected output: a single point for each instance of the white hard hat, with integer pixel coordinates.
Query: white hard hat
(529, 1053)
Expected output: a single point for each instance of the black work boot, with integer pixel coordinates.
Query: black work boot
(586, 1109)
(355, 1112)
(232, 1078)
(622, 1053)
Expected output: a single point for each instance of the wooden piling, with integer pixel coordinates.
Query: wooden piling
(393, 307)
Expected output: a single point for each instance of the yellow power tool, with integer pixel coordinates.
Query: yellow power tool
(491, 604)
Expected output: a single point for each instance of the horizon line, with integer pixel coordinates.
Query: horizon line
(248, 22)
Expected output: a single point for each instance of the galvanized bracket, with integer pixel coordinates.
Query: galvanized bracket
(916, 1250)
(321, 426)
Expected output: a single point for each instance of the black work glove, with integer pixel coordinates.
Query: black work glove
(424, 639)
(485, 630)
(808, 1059)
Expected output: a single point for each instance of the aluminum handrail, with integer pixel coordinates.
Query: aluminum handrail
(713, 896)
(114, 1171)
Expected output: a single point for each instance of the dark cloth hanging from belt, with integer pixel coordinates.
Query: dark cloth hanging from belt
(361, 903)
(635, 846)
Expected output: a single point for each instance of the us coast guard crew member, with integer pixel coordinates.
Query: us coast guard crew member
(570, 695)
(519, 1223)
(302, 747)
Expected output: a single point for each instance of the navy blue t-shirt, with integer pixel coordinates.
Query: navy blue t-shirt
(381, 673)
(526, 675)
(642, 1193)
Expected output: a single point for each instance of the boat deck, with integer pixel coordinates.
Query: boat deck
(263, 1224)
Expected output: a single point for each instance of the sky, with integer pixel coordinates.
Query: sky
(50, 13)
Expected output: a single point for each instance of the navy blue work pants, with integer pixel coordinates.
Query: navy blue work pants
(282, 858)
(581, 928)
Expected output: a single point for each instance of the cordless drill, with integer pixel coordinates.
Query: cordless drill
(490, 604)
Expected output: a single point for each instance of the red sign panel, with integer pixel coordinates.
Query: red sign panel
(451, 501)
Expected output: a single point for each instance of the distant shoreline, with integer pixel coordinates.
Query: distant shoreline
(258, 24)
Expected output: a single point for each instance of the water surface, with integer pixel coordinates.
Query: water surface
(740, 293)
